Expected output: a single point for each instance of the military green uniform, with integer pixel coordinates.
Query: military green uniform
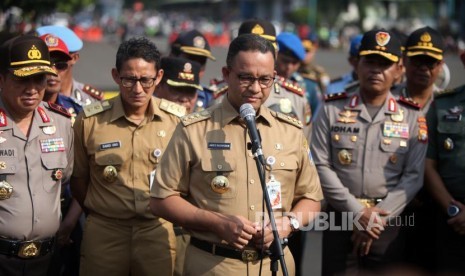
(31, 172)
(401, 90)
(363, 162)
(446, 147)
(211, 146)
(119, 159)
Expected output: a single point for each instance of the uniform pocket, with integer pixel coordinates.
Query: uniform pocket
(220, 179)
(54, 164)
(109, 164)
(344, 150)
(393, 152)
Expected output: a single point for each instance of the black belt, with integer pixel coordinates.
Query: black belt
(245, 255)
(26, 249)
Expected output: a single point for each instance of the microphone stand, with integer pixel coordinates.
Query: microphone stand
(276, 247)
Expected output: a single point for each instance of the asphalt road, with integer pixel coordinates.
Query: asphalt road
(97, 59)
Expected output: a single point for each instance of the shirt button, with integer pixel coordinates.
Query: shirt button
(252, 207)
(282, 164)
(252, 181)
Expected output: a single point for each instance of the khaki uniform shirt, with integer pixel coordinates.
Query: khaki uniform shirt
(360, 157)
(109, 141)
(213, 143)
(446, 124)
(32, 166)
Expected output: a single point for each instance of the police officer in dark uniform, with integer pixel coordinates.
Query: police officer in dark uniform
(36, 156)
(445, 177)
(194, 46)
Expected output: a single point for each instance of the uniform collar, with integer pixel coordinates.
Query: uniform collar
(355, 103)
(118, 109)
(229, 113)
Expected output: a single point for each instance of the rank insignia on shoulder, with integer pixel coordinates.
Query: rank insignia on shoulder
(335, 96)
(447, 92)
(59, 109)
(3, 120)
(195, 117)
(93, 92)
(409, 102)
(96, 108)
(173, 108)
(288, 119)
(220, 91)
(291, 86)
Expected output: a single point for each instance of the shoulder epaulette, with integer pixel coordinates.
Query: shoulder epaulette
(291, 86)
(172, 108)
(447, 92)
(93, 92)
(96, 108)
(288, 119)
(335, 96)
(409, 102)
(219, 92)
(195, 117)
(58, 109)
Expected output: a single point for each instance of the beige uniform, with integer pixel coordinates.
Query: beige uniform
(213, 143)
(119, 159)
(35, 167)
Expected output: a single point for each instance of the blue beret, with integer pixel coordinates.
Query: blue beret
(71, 40)
(291, 42)
(355, 45)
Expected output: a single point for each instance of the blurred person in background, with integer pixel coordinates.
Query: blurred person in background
(308, 68)
(84, 94)
(194, 46)
(67, 252)
(341, 83)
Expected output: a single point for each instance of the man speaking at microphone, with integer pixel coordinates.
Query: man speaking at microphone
(208, 181)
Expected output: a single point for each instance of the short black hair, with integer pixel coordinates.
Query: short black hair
(138, 48)
(248, 42)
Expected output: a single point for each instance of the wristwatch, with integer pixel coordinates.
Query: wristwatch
(294, 223)
(453, 210)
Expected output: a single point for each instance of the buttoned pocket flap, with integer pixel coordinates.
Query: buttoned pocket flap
(105, 158)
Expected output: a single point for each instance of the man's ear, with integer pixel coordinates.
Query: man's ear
(115, 75)
(225, 70)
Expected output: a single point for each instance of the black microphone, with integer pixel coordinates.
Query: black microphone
(248, 114)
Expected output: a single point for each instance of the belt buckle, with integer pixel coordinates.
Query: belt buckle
(249, 255)
(29, 250)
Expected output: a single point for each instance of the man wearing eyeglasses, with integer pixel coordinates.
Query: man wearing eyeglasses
(208, 181)
(119, 144)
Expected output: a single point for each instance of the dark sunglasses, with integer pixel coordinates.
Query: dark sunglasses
(60, 65)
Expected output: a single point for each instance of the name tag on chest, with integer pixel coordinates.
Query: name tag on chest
(110, 145)
(52, 145)
(219, 146)
(453, 117)
(396, 130)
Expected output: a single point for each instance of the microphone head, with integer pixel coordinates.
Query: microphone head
(246, 110)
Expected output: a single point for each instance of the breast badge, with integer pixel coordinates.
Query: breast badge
(5, 190)
(398, 117)
(110, 173)
(2, 165)
(347, 117)
(49, 130)
(345, 157)
(448, 144)
(220, 184)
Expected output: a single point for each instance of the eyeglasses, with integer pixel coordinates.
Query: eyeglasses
(60, 65)
(144, 82)
(248, 80)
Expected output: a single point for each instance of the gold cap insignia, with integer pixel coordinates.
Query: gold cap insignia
(199, 42)
(257, 29)
(34, 53)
